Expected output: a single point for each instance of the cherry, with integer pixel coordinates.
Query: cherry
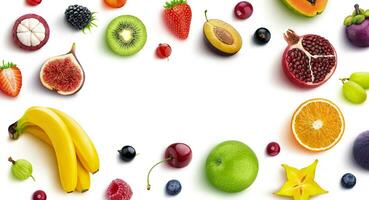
(39, 195)
(273, 149)
(177, 155)
(243, 10)
(163, 50)
(33, 2)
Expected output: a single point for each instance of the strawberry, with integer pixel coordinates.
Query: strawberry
(177, 17)
(10, 79)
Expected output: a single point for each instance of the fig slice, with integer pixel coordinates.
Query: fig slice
(63, 74)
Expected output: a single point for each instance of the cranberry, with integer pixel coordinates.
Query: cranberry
(273, 149)
(163, 51)
(39, 195)
(243, 10)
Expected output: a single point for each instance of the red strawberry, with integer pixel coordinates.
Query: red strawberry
(177, 17)
(10, 79)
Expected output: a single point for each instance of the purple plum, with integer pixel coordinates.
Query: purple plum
(361, 150)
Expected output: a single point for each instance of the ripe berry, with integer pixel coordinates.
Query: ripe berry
(33, 2)
(39, 195)
(173, 187)
(163, 51)
(262, 35)
(273, 149)
(177, 155)
(127, 153)
(79, 17)
(348, 181)
(119, 190)
(243, 10)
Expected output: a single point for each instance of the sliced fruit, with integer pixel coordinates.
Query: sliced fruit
(300, 183)
(63, 74)
(31, 32)
(115, 3)
(10, 79)
(308, 60)
(308, 8)
(318, 124)
(126, 35)
(221, 36)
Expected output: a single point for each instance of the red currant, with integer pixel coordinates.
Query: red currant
(243, 10)
(39, 195)
(33, 2)
(163, 51)
(273, 149)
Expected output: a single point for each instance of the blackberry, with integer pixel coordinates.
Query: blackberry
(79, 17)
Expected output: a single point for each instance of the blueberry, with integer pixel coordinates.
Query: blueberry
(348, 180)
(173, 187)
(127, 153)
(262, 36)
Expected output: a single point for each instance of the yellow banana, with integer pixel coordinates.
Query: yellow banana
(83, 177)
(85, 149)
(60, 139)
(83, 181)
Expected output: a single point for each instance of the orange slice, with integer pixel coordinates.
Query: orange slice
(318, 124)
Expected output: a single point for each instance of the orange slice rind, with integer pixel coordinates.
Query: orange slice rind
(318, 124)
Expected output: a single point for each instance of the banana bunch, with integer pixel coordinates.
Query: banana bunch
(75, 153)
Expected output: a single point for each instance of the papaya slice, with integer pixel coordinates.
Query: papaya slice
(308, 8)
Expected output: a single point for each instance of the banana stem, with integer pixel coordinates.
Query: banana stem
(148, 175)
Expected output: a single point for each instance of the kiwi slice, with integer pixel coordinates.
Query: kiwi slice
(126, 35)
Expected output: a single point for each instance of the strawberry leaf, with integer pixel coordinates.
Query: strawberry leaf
(173, 3)
(7, 65)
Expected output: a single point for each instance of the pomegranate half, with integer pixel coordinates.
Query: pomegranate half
(309, 60)
(63, 74)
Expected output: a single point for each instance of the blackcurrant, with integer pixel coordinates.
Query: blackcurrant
(127, 153)
(262, 35)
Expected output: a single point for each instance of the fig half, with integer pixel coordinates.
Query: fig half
(63, 74)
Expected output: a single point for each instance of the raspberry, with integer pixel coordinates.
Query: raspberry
(119, 190)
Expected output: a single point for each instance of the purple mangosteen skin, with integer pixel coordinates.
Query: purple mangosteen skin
(361, 150)
(358, 34)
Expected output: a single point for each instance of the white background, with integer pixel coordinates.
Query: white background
(196, 97)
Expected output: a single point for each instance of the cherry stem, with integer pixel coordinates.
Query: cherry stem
(357, 9)
(344, 80)
(148, 175)
(206, 15)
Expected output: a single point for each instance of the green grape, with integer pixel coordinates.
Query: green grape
(353, 92)
(21, 169)
(361, 78)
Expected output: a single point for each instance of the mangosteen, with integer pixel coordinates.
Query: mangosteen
(357, 27)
